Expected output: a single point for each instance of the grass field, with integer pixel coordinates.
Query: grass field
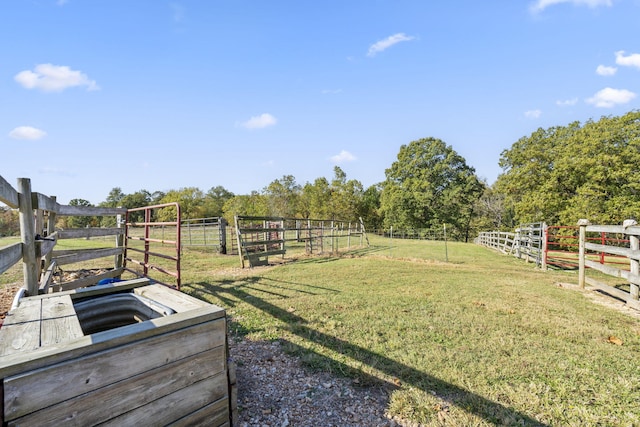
(482, 339)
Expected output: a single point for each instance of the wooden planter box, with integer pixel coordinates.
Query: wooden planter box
(130, 353)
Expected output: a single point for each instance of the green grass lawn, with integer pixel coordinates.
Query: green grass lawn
(460, 334)
(480, 340)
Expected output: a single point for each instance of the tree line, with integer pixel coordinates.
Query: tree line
(557, 175)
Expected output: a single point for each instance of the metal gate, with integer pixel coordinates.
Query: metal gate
(143, 232)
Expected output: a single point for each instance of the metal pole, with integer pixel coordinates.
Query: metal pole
(446, 250)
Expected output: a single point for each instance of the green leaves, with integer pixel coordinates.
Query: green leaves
(562, 174)
(429, 184)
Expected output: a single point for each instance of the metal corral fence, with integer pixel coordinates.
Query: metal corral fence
(207, 232)
(413, 233)
(527, 242)
(621, 248)
(261, 237)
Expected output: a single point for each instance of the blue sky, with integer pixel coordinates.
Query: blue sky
(159, 95)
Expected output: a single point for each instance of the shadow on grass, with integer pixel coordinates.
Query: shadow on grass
(229, 290)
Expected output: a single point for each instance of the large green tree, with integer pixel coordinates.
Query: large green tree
(430, 185)
(214, 201)
(565, 173)
(283, 197)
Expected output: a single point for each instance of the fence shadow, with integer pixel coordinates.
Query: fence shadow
(476, 404)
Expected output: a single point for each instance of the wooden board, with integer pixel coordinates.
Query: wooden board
(176, 405)
(177, 300)
(21, 328)
(8, 194)
(23, 362)
(28, 392)
(10, 255)
(134, 392)
(59, 321)
(214, 414)
(86, 255)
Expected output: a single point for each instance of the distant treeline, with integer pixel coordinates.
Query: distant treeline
(557, 175)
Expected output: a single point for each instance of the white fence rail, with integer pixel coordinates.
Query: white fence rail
(527, 242)
(630, 229)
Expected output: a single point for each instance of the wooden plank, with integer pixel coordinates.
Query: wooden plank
(87, 255)
(264, 242)
(59, 321)
(215, 414)
(9, 256)
(129, 394)
(30, 391)
(28, 236)
(265, 254)
(40, 201)
(89, 211)
(20, 331)
(612, 229)
(626, 252)
(177, 405)
(125, 285)
(170, 297)
(44, 247)
(45, 356)
(8, 194)
(83, 233)
(88, 281)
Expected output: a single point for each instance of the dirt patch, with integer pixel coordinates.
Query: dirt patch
(599, 297)
(7, 293)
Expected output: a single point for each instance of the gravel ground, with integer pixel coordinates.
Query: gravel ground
(274, 389)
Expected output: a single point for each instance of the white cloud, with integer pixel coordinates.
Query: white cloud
(27, 132)
(343, 157)
(258, 122)
(567, 102)
(381, 45)
(603, 70)
(54, 78)
(533, 114)
(632, 60)
(608, 97)
(540, 5)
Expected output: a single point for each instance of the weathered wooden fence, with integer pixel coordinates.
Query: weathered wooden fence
(631, 251)
(129, 353)
(38, 214)
(261, 237)
(527, 242)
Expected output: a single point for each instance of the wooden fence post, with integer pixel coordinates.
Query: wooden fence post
(634, 263)
(28, 236)
(581, 251)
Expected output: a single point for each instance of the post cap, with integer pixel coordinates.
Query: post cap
(583, 221)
